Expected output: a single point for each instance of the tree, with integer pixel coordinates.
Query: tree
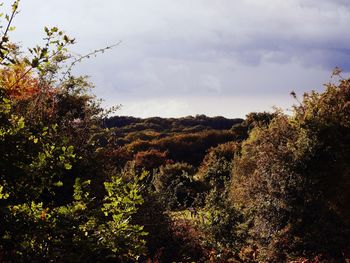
(291, 179)
(60, 198)
(216, 167)
(174, 184)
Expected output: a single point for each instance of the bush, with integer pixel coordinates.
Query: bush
(60, 198)
(150, 159)
(291, 179)
(224, 225)
(216, 167)
(174, 184)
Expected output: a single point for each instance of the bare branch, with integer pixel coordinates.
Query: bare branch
(81, 57)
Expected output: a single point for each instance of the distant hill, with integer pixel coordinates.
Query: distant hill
(185, 124)
(184, 139)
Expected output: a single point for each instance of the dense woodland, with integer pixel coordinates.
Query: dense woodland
(78, 183)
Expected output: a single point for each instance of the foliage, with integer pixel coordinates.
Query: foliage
(130, 124)
(152, 214)
(224, 226)
(291, 179)
(175, 185)
(188, 239)
(216, 167)
(84, 230)
(150, 159)
(60, 198)
(182, 147)
(33, 160)
(252, 120)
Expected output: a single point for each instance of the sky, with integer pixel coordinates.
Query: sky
(188, 57)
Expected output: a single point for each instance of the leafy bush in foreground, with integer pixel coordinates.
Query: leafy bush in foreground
(292, 178)
(60, 198)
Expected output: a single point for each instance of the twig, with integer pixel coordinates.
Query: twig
(14, 12)
(101, 50)
(4, 37)
(31, 68)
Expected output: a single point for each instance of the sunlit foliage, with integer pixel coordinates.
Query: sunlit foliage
(292, 176)
(59, 201)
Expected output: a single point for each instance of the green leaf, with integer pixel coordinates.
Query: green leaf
(58, 184)
(20, 123)
(67, 166)
(3, 195)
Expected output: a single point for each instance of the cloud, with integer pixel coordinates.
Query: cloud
(196, 29)
(191, 48)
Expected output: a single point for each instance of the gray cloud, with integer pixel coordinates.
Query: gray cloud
(199, 48)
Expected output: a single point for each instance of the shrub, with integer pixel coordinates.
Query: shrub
(60, 199)
(174, 184)
(216, 167)
(291, 178)
(224, 225)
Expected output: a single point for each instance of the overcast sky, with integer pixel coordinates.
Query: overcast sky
(187, 57)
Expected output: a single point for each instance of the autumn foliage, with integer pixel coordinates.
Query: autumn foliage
(18, 82)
